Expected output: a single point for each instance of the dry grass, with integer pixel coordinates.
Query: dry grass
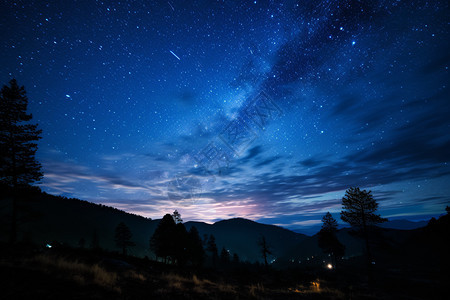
(80, 272)
(103, 277)
(226, 288)
(317, 288)
(175, 281)
(135, 275)
(84, 274)
(196, 281)
(200, 286)
(256, 289)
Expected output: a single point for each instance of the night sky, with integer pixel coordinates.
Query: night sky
(267, 110)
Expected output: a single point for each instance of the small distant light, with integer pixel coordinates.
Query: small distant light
(67, 96)
(330, 266)
(48, 246)
(353, 43)
(373, 263)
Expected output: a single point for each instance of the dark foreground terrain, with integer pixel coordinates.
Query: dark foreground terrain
(31, 272)
(408, 264)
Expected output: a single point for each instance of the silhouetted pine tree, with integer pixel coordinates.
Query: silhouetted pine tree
(212, 248)
(162, 243)
(205, 240)
(195, 250)
(236, 260)
(180, 240)
(122, 237)
(224, 257)
(327, 239)
(432, 222)
(358, 210)
(18, 165)
(177, 217)
(329, 223)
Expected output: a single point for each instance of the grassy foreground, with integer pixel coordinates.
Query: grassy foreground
(30, 272)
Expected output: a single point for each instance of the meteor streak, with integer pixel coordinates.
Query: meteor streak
(174, 54)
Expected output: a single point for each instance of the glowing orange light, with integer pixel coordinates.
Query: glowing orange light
(315, 286)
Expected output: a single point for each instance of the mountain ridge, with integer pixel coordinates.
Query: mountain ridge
(69, 221)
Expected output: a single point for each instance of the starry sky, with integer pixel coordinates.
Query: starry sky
(267, 110)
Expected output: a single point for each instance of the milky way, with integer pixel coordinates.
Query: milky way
(138, 100)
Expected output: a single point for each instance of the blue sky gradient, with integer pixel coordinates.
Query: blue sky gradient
(131, 95)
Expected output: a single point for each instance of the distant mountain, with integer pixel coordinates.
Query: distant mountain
(241, 236)
(394, 224)
(308, 230)
(46, 218)
(403, 224)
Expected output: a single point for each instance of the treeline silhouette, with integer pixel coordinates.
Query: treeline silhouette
(34, 193)
(173, 244)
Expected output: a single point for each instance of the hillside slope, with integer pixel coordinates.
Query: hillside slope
(46, 218)
(241, 236)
